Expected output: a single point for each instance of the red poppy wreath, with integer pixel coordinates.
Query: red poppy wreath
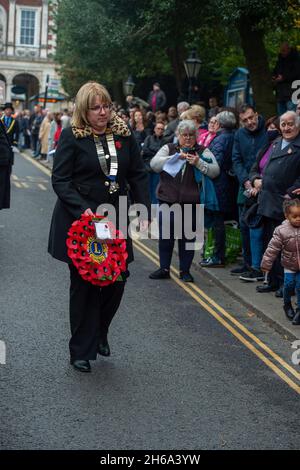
(99, 262)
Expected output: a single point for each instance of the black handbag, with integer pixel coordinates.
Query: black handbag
(251, 218)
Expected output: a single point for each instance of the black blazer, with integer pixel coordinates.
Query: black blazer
(281, 176)
(79, 183)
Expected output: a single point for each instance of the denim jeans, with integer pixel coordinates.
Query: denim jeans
(245, 234)
(291, 282)
(256, 243)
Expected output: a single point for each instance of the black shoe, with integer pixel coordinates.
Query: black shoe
(160, 274)
(296, 319)
(103, 347)
(81, 365)
(265, 288)
(238, 271)
(252, 276)
(212, 262)
(289, 311)
(186, 276)
(279, 293)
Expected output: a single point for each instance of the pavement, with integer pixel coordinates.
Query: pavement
(266, 306)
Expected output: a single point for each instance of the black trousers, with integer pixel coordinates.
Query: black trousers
(92, 309)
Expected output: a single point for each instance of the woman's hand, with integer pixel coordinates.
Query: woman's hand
(192, 159)
(257, 183)
(254, 192)
(182, 156)
(88, 212)
(296, 191)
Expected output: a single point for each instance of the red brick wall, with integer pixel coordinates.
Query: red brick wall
(5, 4)
(30, 3)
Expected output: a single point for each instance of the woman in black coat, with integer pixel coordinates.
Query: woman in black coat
(6, 161)
(95, 160)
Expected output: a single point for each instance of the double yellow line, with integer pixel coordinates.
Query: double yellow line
(265, 354)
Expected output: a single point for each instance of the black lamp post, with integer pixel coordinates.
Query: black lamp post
(192, 67)
(46, 91)
(128, 86)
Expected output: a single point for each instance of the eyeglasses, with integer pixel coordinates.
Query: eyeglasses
(288, 124)
(188, 135)
(104, 107)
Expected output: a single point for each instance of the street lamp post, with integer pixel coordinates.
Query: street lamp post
(128, 86)
(46, 92)
(192, 67)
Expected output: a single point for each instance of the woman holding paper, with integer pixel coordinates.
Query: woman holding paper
(181, 167)
(94, 161)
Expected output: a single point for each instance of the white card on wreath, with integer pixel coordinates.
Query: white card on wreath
(102, 231)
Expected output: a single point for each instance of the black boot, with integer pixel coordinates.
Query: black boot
(289, 311)
(296, 319)
(81, 365)
(103, 347)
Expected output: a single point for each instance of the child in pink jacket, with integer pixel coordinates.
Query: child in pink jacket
(286, 239)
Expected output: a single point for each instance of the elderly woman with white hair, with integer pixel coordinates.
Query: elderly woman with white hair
(280, 180)
(181, 167)
(221, 147)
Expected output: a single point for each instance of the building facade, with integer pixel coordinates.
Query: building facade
(27, 46)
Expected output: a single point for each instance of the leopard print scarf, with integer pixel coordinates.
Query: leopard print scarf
(116, 126)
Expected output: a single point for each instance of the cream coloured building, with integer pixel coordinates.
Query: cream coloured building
(27, 45)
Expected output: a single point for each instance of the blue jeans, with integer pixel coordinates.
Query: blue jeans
(291, 282)
(256, 243)
(245, 234)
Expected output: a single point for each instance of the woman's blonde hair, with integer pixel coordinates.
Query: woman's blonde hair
(85, 98)
(198, 113)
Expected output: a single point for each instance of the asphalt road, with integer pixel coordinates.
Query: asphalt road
(177, 377)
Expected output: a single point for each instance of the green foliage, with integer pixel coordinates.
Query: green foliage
(105, 40)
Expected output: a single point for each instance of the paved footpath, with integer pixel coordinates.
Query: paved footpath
(191, 367)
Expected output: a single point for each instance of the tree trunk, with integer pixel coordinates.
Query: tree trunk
(176, 56)
(257, 62)
(117, 91)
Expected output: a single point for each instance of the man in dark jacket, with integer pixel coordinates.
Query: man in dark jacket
(157, 98)
(170, 130)
(6, 160)
(247, 142)
(287, 70)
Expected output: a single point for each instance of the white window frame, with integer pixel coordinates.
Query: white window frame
(37, 31)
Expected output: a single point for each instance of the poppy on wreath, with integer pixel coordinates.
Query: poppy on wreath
(100, 262)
